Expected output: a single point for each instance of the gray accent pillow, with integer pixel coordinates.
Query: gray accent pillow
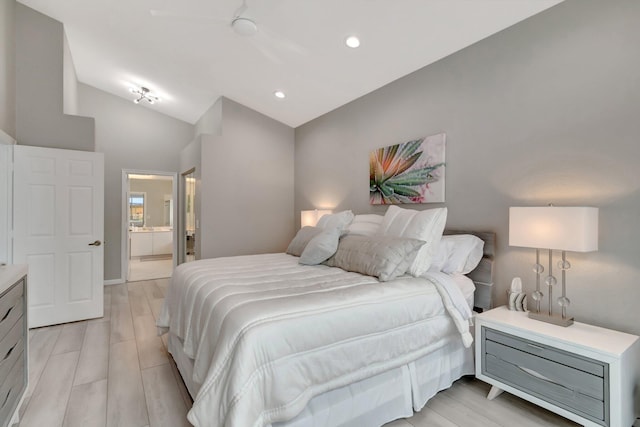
(384, 257)
(321, 247)
(303, 237)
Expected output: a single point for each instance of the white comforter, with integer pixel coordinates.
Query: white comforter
(267, 334)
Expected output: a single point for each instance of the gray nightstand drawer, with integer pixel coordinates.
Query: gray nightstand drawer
(587, 365)
(567, 380)
(544, 389)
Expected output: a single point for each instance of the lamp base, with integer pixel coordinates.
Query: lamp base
(554, 318)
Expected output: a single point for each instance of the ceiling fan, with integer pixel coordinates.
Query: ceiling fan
(244, 26)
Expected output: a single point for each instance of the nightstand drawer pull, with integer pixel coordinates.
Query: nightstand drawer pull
(542, 377)
(535, 347)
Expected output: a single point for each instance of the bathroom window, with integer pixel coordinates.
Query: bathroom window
(136, 209)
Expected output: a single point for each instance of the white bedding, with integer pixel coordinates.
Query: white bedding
(267, 334)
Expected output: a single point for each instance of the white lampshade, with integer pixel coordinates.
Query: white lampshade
(311, 217)
(553, 227)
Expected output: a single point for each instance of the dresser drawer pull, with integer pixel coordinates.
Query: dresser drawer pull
(6, 356)
(7, 314)
(6, 399)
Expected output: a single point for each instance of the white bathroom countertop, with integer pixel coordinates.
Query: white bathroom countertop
(151, 230)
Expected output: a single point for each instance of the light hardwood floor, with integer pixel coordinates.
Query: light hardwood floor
(150, 268)
(115, 371)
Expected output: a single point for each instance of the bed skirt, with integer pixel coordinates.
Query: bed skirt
(373, 401)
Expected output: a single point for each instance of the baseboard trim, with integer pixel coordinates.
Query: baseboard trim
(113, 282)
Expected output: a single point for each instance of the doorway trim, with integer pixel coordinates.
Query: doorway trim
(124, 221)
(182, 221)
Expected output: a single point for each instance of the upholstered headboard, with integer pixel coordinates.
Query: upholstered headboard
(482, 276)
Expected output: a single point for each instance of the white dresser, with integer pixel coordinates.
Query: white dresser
(13, 341)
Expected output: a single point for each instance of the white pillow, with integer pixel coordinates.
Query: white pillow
(441, 256)
(425, 225)
(321, 247)
(340, 220)
(365, 225)
(464, 253)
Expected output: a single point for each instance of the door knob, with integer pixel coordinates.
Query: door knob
(96, 243)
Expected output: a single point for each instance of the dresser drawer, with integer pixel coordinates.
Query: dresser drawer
(10, 348)
(11, 390)
(11, 307)
(573, 382)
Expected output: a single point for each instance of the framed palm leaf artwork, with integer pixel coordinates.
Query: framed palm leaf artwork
(411, 172)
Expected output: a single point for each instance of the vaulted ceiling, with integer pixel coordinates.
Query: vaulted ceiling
(187, 53)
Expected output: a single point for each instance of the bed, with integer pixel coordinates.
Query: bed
(262, 340)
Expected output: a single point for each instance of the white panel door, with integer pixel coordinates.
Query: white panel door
(58, 232)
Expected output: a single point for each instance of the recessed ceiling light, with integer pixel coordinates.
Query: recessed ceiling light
(352, 42)
(279, 94)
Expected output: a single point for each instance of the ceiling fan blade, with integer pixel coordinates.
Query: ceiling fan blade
(282, 42)
(242, 9)
(189, 17)
(264, 50)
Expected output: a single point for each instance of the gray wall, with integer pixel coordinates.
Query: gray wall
(39, 84)
(246, 184)
(545, 111)
(7, 67)
(211, 121)
(6, 198)
(69, 81)
(156, 190)
(131, 137)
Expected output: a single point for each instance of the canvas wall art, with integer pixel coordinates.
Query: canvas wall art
(411, 172)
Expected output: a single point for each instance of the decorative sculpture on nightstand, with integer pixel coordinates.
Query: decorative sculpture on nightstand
(517, 298)
(553, 228)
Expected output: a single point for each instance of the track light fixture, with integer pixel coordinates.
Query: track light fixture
(143, 93)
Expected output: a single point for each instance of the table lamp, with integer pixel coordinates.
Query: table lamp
(553, 228)
(311, 217)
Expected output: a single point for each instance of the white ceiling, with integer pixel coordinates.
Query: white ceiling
(193, 57)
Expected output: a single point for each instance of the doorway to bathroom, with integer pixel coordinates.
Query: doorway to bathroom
(149, 250)
(189, 222)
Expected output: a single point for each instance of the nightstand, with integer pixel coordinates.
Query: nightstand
(582, 372)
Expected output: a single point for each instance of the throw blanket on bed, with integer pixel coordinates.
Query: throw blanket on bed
(267, 334)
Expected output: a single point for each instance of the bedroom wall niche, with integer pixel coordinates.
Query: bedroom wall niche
(544, 111)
